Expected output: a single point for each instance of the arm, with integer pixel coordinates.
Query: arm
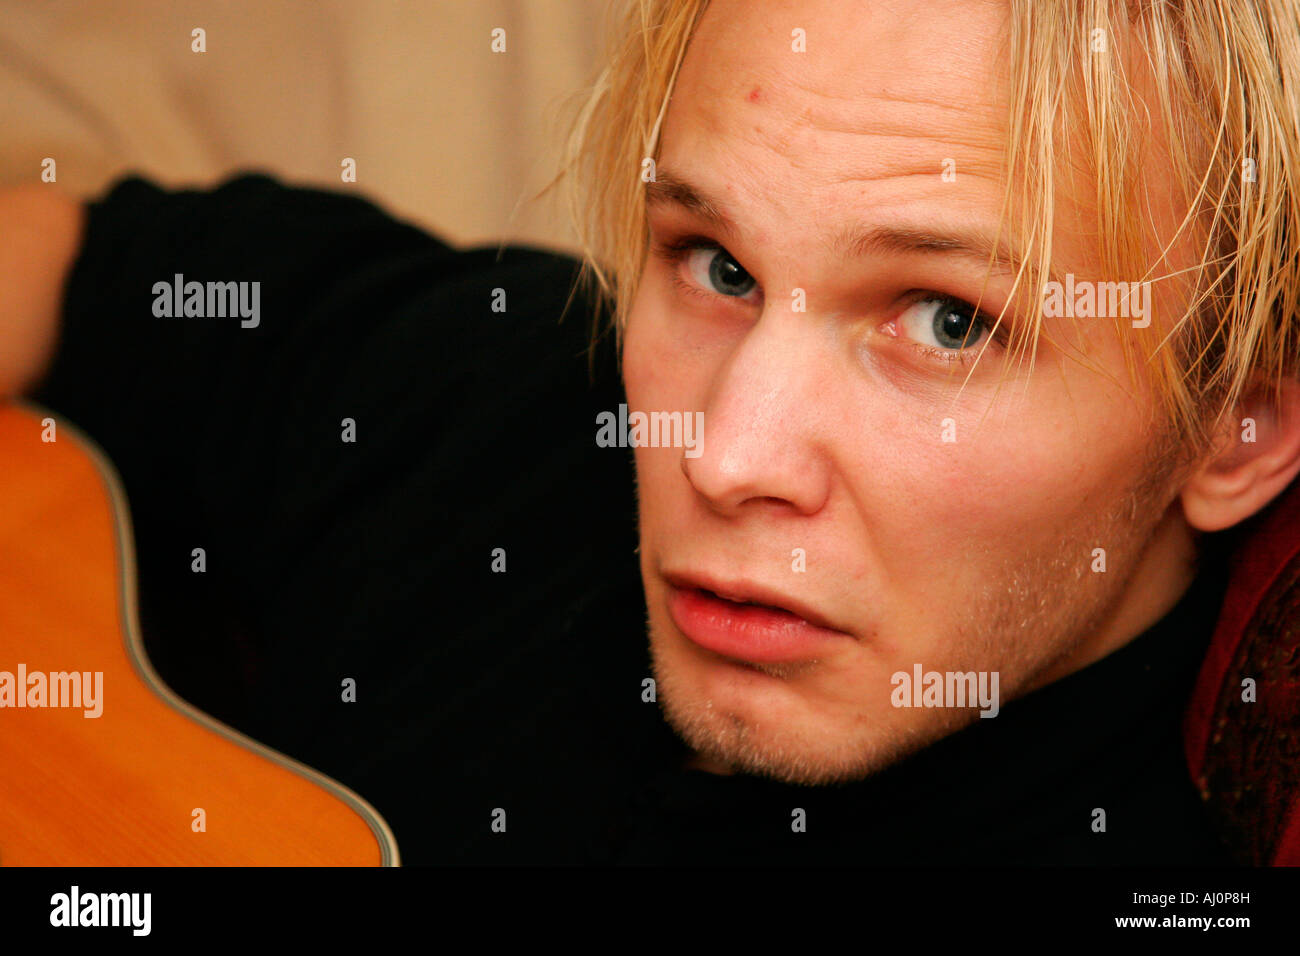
(40, 232)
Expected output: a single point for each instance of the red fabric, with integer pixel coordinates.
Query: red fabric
(1257, 624)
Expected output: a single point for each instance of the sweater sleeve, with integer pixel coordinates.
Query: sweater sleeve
(194, 410)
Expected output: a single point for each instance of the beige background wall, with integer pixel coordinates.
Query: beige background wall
(444, 131)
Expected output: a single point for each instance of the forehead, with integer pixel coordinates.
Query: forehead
(882, 92)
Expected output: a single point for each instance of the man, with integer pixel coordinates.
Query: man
(941, 552)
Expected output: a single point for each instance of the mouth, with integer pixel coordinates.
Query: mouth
(747, 622)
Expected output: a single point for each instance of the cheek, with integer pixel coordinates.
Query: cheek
(1011, 490)
(664, 367)
(641, 357)
(644, 348)
(653, 380)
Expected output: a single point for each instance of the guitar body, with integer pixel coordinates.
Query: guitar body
(131, 786)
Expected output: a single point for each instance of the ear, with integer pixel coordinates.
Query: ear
(1255, 457)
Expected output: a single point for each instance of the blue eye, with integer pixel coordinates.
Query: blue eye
(715, 269)
(941, 322)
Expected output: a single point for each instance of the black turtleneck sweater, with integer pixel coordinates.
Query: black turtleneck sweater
(479, 690)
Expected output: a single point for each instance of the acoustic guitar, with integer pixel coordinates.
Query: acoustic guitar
(149, 780)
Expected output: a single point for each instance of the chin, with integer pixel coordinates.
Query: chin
(784, 727)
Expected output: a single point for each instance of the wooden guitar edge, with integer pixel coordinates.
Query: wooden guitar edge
(130, 626)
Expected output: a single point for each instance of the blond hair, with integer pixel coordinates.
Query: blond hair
(1224, 76)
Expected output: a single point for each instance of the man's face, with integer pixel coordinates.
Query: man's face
(846, 474)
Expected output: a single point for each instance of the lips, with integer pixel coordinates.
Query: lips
(749, 622)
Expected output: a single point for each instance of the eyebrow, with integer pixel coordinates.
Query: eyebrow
(667, 189)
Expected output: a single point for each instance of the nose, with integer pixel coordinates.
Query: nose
(764, 436)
